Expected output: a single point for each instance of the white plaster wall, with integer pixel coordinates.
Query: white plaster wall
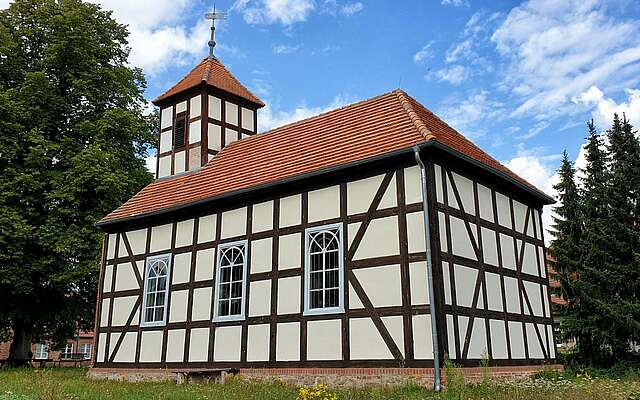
(381, 284)
(106, 282)
(194, 132)
(485, 203)
(111, 246)
(530, 261)
(214, 137)
(127, 350)
(165, 166)
(415, 232)
(354, 300)
(262, 217)
(290, 210)
(122, 307)
(422, 343)
(231, 113)
(125, 277)
(289, 251)
(227, 343)
(324, 203)
(258, 338)
(508, 252)
(199, 344)
(442, 232)
(288, 341)
(541, 259)
(178, 306)
(195, 107)
(161, 237)
(102, 344)
(412, 185)
(324, 340)
(439, 185)
(201, 304)
(207, 228)
(550, 345)
(465, 284)
(260, 298)
(489, 246)
(478, 342)
(181, 268)
(151, 346)
(360, 194)
(247, 119)
(234, 223)
(179, 160)
(380, 238)
(289, 295)
(365, 341)
(215, 108)
(535, 350)
(180, 107)
(498, 339)
(494, 291)
(452, 201)
(465, 189)
(104, 312)
(460, 240)
(166, 117)
(504, 210)
(418, 283)
(166, 141)
(519, 214)
(230, 136)
(261, 260)
(533, 293)
(175, 345)
(446, 277)
(512, 296)
(184, 233)
(204, 264)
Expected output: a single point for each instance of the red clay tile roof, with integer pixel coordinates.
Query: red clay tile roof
(390, 122)
(212, 72)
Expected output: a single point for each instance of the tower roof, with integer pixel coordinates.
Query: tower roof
(386, 124)
(211, 72)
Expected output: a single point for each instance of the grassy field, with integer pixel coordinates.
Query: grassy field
(54, 384)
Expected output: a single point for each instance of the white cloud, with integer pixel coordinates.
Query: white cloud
(535, 130)
(284, 49)
(455, 3)
(269, 118)
(4, 4)
(604, 108)
(423, 54)
(352, 8)
(459, 50)
(469, 114)
(557, 49)
(455, 75)
(284, 12)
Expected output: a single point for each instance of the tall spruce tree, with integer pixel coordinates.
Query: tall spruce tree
(567, 229)
(71, 149)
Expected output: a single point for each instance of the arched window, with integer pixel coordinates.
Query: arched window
(231, 281)
(324, 274)
(156, 288)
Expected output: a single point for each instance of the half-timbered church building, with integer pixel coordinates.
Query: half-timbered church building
(314, 245)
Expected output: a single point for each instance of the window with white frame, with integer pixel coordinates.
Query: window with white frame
(231, 279)
(85, 349)
(156, 290)
(324, 277)
(42, 351)
(67, 351)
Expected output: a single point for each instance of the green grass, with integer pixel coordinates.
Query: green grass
(58, 384)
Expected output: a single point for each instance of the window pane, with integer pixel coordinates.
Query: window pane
(162, 283)
(159, 314)
(237, 272)
(332, 298)
(148, 316)
(235, 307)
(223, 308)
(224, 290)
(226, 274)
(316, 299)
(316, 262)
(151, 286)
(160, 299)
(316, 280)
(236, 289)
(331, 278)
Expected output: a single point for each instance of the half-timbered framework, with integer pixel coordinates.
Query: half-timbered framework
(305, 247)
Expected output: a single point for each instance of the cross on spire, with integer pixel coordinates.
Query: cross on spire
(213, 16)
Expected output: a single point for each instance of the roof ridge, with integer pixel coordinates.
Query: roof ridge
(205, 73)
(403, 98)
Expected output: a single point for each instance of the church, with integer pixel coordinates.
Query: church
(370, 237)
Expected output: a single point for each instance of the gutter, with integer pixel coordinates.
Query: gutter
(406, 151)
(432, 298)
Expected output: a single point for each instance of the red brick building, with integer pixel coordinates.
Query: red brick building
(78, 351)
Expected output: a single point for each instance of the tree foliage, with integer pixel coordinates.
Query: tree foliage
(72, 148)
(597, 245)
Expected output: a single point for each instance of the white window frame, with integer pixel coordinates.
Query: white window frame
(219, 250)
(66, 355)
(144, 323)
(86, 349)
(41, 354)
(307, 271)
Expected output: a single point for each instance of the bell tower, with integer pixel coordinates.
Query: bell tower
(205, 111)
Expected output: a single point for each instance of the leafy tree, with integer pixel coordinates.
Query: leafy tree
(567, 227)
(71, 149)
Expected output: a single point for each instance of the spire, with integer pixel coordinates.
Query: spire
(213, 16)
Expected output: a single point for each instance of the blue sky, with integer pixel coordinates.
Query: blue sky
(518, 78)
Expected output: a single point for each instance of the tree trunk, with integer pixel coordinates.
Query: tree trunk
(20, 349)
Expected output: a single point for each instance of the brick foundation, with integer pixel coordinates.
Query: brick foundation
(331, 376)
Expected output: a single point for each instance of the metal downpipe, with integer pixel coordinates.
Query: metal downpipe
(432, 298)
